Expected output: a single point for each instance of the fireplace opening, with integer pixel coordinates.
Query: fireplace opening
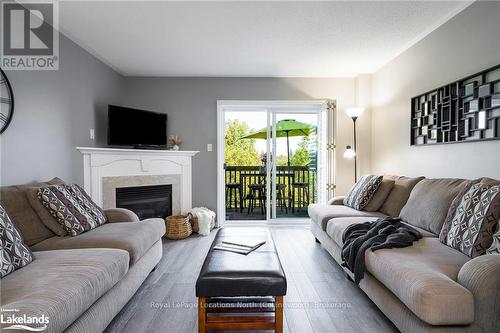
(146, 201)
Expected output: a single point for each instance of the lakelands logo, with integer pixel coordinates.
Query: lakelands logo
(29, 35)
(11, 320)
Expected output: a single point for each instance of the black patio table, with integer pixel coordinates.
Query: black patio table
(260, 177)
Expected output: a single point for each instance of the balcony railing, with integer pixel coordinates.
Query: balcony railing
(286, 175)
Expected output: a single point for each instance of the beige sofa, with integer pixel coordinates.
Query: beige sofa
(79, 282)
(427, 287)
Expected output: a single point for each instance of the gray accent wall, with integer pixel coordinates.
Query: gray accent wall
(54, 111)
(191, 105)
(467, 44)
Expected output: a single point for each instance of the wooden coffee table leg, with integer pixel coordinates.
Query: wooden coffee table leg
(202, 315)
(278, 314)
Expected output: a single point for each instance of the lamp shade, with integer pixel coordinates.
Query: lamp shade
(349, 152)
(354, 112)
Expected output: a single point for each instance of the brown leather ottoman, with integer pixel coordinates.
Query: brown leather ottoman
(238, 292)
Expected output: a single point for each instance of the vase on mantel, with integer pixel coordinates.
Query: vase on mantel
(175, 141)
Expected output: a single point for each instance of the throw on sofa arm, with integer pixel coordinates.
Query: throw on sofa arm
(338, 200)
(481, 276)
(121, 215)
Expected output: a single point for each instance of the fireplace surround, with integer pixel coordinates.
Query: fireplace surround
(109, 169)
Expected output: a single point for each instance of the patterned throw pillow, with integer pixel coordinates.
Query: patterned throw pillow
(72, 208)
(362, 192)
(495, 245)
(472, 219)
(14, 253)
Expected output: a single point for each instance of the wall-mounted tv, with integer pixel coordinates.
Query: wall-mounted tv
(136, 128)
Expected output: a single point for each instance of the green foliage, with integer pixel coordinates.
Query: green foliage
(301, 156)
(281, 160)
(238, 151)
(242, 151)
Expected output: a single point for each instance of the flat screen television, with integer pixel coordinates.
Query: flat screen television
(136, 128)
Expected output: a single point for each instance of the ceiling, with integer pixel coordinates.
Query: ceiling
(268, 39)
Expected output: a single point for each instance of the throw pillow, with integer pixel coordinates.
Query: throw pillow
(379, 197)
(14, 253)
(495, 245)
(472, 219)
(399, 194)
(41, 211)
(72, 208)
(362, 192)
(429, 203)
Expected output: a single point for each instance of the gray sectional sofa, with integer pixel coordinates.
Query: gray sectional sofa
(428, 287)
(80, 282)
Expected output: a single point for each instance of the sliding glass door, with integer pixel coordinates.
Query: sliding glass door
(245, 164)
(293, 171)
(273, 160)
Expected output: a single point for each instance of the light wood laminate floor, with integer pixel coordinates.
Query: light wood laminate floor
(319, 297)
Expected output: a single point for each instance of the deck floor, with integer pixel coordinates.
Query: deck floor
(319, 297)
(238, 215)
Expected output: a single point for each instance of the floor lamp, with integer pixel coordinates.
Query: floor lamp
(354, 113)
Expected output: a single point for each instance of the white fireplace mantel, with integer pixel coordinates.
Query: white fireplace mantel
(102, 163)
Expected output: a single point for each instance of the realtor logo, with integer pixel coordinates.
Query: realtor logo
(11, 319)
(29, 35)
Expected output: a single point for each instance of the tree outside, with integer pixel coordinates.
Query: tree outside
(240, 152)
(243, 152)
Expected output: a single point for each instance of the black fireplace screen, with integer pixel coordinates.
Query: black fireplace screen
(146, 201)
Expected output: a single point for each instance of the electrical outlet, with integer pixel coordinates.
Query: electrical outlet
(209, 147)
(92, 134)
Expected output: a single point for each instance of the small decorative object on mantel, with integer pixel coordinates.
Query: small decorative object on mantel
(178, 227)
(175, 141)
(463, 111)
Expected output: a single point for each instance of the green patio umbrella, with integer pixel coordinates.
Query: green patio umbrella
(284, 128)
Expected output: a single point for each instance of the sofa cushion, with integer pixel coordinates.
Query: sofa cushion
(362, 192)
(45, 217)
(134, 237)
(72, 208)
(423, 277)
(472, 219)
(320, 214)
(15, 202)
(380, 196)
(430, 201)
(62, 285)
(336, 200)
(14, 254)
(335, 227)
(399, 194)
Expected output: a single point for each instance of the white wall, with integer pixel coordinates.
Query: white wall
(468, 43)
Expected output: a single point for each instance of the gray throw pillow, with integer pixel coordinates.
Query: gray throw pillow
(399, 194)
(362, 192)
(379, 197)
(430, 201)
(72, 208)
(44, 215)
(14, 253)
